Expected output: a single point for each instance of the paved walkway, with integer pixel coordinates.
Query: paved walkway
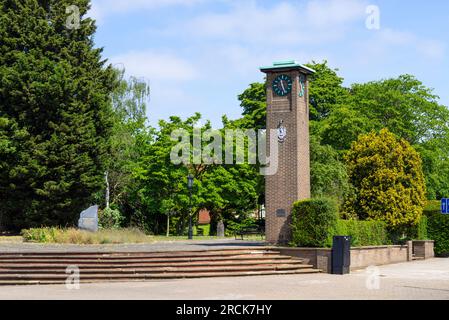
(146, 247)
(413, 280)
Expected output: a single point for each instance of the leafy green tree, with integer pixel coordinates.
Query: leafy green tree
(403, 105)
(54, 93)
(160, 188)
(326, 90)
(436, 167)
(342, 127)
(387, 175)
(328, 174)
(254, 104)
(229, 192)
(129, 102)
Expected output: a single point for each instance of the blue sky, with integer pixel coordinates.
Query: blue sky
(198, 55)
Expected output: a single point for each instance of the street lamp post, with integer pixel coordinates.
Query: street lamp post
(190, 179)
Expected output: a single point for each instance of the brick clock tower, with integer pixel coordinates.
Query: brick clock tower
(288, 114)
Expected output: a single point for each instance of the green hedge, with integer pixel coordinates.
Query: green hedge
(363, 233)
(437, 227)
(432, 207)
(438, 230)
(419, 232)
(314, 222)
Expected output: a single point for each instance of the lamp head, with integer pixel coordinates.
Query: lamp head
(190, 179)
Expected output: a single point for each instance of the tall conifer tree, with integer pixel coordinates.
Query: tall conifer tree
(54, 112)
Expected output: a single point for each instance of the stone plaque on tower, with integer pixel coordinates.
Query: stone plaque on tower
(288, 115)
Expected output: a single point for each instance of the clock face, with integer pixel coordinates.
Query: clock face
(302, 86)
(282, 85)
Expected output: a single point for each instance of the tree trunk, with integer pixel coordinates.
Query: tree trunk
(107, 188)
(168, 224)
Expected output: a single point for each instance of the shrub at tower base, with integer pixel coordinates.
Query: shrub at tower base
(314, 222)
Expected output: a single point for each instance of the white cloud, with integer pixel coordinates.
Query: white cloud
(103, 8)
(395, 37)
(155, 66)
(432, 49)
(331, 13)
(388, 40)
(316, 21)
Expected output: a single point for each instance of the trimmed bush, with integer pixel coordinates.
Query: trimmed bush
(363, 233)
(314, 222)
(438, 230)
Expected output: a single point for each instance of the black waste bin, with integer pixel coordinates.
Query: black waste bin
(341, 254)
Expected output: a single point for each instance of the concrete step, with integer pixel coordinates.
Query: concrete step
(135, 255)
(158, 277)
(140, 260)
(86, 277)
(189, 269)
(82, 265)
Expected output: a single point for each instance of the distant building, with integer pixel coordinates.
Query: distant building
(203, 217)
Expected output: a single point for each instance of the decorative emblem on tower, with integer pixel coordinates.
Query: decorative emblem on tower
(282, 132)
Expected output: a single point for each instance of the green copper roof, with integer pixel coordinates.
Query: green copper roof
(286, 64)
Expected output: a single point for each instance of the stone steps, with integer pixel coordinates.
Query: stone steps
(83, 265)
(159, 277)
(50, 267)
(136, 261)
(137, 255)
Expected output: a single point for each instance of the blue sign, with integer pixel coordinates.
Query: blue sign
(445, 206)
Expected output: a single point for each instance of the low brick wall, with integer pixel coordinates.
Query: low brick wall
(361, 257)
(320, 258)
(378, 255)
(423, 249)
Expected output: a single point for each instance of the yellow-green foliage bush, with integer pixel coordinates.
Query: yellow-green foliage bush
(75, 236)
(388, 179)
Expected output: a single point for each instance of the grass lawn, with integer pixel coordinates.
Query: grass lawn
(9, 239)
(181, 238)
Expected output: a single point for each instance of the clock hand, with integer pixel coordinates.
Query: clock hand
(282, 85)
